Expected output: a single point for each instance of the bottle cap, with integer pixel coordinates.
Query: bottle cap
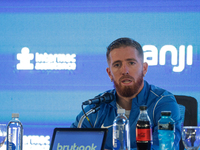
(15, 115)
(120, 111)
(143, 107)
(165, 113)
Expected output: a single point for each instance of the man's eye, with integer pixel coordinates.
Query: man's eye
(116, 65)
(132, 63)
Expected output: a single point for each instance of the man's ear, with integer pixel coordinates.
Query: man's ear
(109, 73)
(145, 68)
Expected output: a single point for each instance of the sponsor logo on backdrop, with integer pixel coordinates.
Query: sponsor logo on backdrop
(36, 142)
(44, 61)
(179, 57)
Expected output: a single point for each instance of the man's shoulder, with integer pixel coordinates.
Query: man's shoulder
(158, 92)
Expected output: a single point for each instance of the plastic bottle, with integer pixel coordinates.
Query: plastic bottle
(143, 130)
(121, 135)
(14, 133)
(166, 131)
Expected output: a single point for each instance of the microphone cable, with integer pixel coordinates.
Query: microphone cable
(86, 116)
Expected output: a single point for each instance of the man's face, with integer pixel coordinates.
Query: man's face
(126, 69)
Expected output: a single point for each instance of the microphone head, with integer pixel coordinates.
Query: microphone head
(104, 98)
(108, 97)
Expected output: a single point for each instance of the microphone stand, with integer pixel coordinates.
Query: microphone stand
(93, 110)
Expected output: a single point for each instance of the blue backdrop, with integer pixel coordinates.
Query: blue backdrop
(72, 37)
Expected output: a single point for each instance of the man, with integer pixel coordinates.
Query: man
(127, 69)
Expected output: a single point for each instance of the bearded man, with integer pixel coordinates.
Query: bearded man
(126, 69)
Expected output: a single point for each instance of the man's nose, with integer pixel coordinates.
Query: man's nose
(125, 70)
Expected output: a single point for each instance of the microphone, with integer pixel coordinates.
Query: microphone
(105, 98)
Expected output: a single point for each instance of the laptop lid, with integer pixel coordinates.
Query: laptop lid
(78, 139)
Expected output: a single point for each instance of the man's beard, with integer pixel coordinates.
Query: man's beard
(129, 91)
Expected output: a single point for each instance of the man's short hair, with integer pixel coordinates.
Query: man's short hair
(123, 42)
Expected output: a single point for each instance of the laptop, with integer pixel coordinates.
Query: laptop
(78, 139)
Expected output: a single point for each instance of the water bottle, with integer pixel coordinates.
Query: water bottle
(143, 130)
(14, 133)
(121, 135)
(166, 131)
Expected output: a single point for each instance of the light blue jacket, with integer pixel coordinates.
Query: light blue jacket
(156, 100)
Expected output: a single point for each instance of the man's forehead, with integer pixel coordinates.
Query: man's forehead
(124, 54)
(128, 52)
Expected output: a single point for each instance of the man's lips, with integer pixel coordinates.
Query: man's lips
(126, 80)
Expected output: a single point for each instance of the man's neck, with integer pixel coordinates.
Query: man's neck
(126, 102)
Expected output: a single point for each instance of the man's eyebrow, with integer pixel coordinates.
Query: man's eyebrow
(117, 61)
(128, 59)
(131, 59)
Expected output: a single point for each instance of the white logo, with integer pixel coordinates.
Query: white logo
(45, 61)
(102, 126)
(178, 61)
(25, 57)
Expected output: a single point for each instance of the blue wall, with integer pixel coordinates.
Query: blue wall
(50, 98)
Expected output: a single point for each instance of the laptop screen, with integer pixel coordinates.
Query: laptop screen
(78, 139)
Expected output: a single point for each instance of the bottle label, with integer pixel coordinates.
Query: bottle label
(166, 126)
(116, 144)
(143, 134)
(11, 146)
